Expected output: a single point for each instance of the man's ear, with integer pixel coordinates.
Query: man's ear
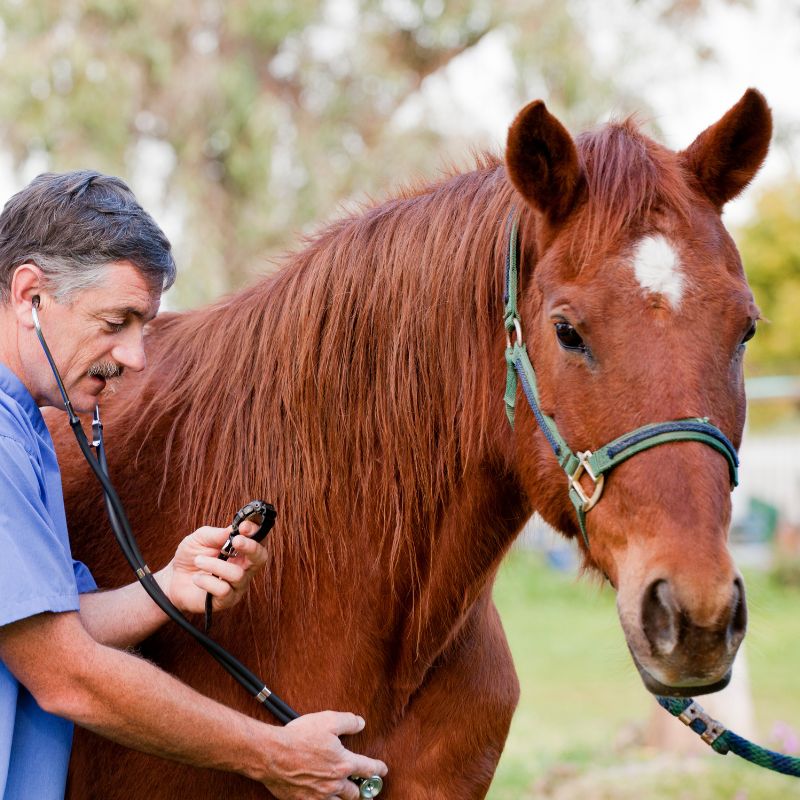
(726, 156)
(27, 282)
(542, 162)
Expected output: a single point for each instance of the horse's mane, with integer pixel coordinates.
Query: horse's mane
(312, 389)
(353, 387)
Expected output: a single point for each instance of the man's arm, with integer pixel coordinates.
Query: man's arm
(121, 617)
(124, 617)
(138, 705)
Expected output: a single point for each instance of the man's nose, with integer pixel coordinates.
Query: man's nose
(130, 354)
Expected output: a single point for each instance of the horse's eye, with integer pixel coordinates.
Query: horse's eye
(751, 332)
(568, 337)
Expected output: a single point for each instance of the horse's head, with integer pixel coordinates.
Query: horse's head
(636, 312)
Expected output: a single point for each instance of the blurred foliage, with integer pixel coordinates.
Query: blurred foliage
(770, 248)
(258, 117)
(786, 572)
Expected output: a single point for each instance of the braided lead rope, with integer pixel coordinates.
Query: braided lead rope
(724, 741)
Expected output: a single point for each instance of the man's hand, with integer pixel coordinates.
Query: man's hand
(195, 569)
(131, 701)
(310, 763)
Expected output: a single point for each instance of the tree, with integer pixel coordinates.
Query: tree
(254, 119)
(770, 248)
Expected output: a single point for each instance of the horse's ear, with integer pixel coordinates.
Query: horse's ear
(542, 162)
(726, 156)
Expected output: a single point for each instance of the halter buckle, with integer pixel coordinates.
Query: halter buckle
(574, 482)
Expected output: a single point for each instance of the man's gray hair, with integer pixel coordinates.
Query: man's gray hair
(68, 277)
(72, 226)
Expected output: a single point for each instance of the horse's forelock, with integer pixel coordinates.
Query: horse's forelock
(628, 177)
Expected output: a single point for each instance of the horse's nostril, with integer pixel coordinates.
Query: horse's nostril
(660, 618)
(738, 623)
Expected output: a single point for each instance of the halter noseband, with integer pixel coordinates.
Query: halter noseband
(594, 464)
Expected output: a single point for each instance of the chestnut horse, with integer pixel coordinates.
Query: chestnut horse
(360, 389)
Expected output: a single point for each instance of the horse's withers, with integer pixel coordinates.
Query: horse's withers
(637, 310)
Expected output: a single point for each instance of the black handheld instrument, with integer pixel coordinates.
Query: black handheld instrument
(255, 510)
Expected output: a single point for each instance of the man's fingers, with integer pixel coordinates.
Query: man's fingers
(318, 733)
(349, 792)
(343, 723)
(248, 527)
(232, 573)
(214, 538)
(214, 586)
(255, 553)
(210, 537)
(365, 767)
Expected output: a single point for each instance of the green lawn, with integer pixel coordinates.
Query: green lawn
(576, 731)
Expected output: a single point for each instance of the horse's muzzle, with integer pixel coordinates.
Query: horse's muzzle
(684, 648)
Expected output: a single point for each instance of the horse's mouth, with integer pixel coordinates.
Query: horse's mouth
(655, 686)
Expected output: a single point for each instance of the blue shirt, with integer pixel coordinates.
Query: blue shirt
(37, 574)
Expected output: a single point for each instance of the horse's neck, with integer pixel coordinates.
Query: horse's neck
(452, 565)
(460, 502)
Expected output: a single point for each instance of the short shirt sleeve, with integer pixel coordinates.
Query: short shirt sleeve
(37, 572)
(83, 578)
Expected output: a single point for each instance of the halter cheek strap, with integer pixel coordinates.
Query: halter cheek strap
(598, 463)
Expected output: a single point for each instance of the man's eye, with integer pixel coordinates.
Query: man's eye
(114, 327)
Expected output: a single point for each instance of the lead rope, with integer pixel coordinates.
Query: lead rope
(723, 741)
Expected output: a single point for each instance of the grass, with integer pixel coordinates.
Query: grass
(576, 733)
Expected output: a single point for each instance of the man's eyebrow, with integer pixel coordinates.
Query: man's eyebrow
(132, 311)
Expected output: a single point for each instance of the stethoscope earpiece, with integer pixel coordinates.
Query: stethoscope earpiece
(67, 405)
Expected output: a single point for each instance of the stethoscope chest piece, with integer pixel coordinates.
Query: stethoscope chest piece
(370, 787)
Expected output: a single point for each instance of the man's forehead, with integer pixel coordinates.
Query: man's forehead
(127, 291)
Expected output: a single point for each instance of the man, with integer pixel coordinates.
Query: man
(81, 247)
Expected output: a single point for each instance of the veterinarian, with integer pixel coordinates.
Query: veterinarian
(98, 263)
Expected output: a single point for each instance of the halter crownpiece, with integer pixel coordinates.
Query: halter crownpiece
(594, 464)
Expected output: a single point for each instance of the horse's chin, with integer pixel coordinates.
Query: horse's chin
(655, 686)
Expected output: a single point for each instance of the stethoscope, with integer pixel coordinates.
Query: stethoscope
(368, 787)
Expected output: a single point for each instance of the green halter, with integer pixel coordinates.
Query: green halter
(595, 464)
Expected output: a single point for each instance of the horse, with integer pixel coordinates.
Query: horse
(360, 389)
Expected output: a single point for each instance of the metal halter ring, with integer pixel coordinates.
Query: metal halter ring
(574, 482)
(518, 329)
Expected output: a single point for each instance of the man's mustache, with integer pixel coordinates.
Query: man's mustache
(106, 369)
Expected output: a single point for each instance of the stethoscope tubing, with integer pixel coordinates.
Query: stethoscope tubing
(123, 533)
(124, 536)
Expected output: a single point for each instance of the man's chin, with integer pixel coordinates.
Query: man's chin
(83, 405)
(88, 393)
